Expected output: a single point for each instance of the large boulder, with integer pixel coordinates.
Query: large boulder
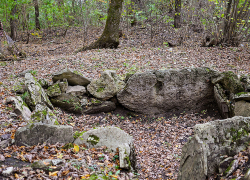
(43, 114)
(159, 91)
(201, 154)
(21, 107)
(35, 133)
(106, 86)
(67, 102)
(72, 78)
(35, 93)
(112, 138)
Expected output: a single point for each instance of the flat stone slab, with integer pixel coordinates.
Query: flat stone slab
(242, 108)
(72, 78)
(111, 137)
(35, 133)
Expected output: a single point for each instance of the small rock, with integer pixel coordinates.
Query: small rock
(5, 136)
(106, 86)
(19, 87)
(63, 85)
(2, 158)
(54, 90)
(8, 171)
(76, 90)
(56, 162)
(43, 114)
(20, 107)
(124, 152)
(13, 115)
(84, 101)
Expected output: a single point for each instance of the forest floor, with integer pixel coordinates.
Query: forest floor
(158, 139)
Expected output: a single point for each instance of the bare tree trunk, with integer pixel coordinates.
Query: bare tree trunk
(177, 15)
(13, 22)
(110, 35)
(1, 35)
(37, 14)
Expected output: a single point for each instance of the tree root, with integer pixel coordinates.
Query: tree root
(99, 44)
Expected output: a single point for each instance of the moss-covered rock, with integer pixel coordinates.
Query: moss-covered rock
(19, 87)
(106, 86)
(229, 81)
(67, 102)
(201, 155)
(21, 107)
(54, 90)
(43, 83)
(43, 114)
(37, 94)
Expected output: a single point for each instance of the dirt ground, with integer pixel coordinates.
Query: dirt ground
(158, 139)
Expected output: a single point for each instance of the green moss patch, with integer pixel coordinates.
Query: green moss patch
(93, 139)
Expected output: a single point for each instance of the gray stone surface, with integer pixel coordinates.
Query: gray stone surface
(112, 138)
(246, 82)
(103, 106)
(43, 133)
(106, 86)
(37, 94)
(229, 81)
(222, 101)
(242, 108)
(8, 171)
(5, 143)
(54, 90)
(124, 153)
(43, 114)
(67, 102)
(76, 90)
(72, 78)
(201, 154)
(242, 96)
(43, 83)
(20, 107)
(159, 91)
(63, 85)
(19, 87)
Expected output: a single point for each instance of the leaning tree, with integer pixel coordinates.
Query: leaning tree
(110, 35)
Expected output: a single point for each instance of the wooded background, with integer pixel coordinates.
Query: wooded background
(224, 21)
